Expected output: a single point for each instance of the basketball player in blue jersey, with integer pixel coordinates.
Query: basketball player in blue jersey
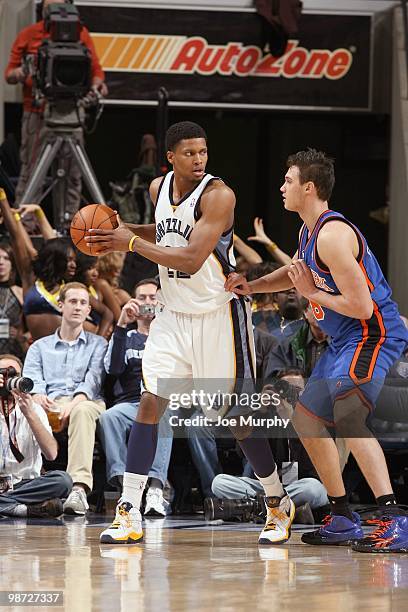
(337, 272)
(200, 330)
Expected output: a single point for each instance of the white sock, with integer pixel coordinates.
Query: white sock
(19, 510)
(272, 485)
(133, 487)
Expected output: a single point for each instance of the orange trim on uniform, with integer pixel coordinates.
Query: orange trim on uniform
(315, 227)
(314, 416)
(358, 350)
(360, 346)
(369, 283)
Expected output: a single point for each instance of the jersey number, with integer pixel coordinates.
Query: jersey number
(177, 274)
(317, 311)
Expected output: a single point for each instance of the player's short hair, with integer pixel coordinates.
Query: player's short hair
(317, 167)
(183, 131)
(146, 281)
(65, 288)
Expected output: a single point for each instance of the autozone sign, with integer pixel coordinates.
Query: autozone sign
(182, 55)
(216, 58)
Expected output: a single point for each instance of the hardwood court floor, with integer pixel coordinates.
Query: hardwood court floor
(184, 565)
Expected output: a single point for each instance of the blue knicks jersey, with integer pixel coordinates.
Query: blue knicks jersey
(385, 321)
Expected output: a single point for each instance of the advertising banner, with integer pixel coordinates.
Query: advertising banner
(217, 58)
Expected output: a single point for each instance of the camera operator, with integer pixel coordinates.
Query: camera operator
(34, 131)
(23, 491)
(123, 360)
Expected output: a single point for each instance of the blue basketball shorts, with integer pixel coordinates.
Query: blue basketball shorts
(354, 367)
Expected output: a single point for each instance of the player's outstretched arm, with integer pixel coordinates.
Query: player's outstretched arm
(270, 283)
(337, 246)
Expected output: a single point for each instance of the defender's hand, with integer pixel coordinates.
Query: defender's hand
(302, 278)
(109, 241)
(237, 283)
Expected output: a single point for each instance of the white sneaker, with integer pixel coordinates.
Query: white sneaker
(156, 505)
(126, 528)
(76, 502)
(279, 518)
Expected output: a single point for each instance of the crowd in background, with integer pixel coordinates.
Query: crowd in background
(74, 330)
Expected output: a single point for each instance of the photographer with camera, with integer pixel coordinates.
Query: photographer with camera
(67, 370)
(20, 69)
(123, 360)
(24, 434)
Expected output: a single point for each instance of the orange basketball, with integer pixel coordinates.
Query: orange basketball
(95, 216)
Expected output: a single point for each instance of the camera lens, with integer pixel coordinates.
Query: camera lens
(20, 383)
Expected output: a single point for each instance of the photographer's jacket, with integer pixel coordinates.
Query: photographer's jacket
(21, 434)
(28, 42)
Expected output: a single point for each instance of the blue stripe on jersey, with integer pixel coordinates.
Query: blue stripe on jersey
(385, 321)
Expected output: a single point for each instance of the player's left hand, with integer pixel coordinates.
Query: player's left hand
(110, 240)
(301, 277)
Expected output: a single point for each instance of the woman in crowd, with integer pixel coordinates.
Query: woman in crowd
(109, 270)
(55, 265)
(12, 338)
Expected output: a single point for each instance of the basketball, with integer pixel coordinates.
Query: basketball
(95, 216)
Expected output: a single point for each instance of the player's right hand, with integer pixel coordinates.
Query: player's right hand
(109, 240)
(237, 283)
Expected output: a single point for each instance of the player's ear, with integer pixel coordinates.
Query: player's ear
(170, 157)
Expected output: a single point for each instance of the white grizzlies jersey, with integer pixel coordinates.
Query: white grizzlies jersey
(203, 291)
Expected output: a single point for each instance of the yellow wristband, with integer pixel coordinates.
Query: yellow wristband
(39, 213)
(3, 194)
(17, 216)
(272, 245)
(131, 241)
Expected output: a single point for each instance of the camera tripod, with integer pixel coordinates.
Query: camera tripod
(64, 135)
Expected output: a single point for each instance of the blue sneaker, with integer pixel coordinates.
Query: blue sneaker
(391, 536)
(337, 530)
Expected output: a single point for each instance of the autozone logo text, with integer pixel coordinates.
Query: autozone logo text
(193, 55)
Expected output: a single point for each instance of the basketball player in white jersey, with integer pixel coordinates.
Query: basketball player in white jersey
(200, 331)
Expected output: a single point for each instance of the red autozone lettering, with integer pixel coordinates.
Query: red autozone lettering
(196, 55)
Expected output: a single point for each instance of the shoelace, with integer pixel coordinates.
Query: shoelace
(381, 529)
(327, 520)
(275, 514)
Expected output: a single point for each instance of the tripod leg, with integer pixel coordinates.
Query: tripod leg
(87, 171)
(59, 194)
(47, 155)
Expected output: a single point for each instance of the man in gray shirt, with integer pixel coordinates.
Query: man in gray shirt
(67, 370)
